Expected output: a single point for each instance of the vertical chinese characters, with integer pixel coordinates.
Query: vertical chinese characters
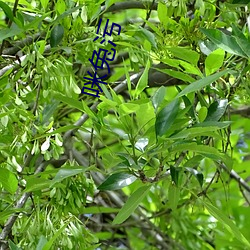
(98, 60)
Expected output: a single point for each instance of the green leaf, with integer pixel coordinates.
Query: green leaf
(117, 181)
(132, 203)
(174, 172)
(9, 211)
(216, 110)
(98, 210)
(177, 74)
(13, 246)
(245, 2)
(162, 12)
(158, 97)
(66, 172)
(143, 81)
(173, 196)
(7, 10)
(70, 101)
(227, 223)
(9, 32)
(202, 114)
(166, 117)
(197, 85)
(56, 35)
(49, 244)
(186, 54)
(223, 41)
(219, 125)
(128, 108)
(8, 180)
(41, 243)
(198, 175)
(144, 34)
(214, 61)
(193, 132)
(34, 183)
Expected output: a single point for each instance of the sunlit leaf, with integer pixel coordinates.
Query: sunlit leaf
(8, 180)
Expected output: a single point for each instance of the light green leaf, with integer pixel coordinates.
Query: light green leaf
(49, 244)
(186, 54)
(35, 183)
(228, 224)
(214, 61)
(128, 108)
(66, 172)
(202, 113)
(173, 196)
(41, 243)
(8, 180)
(70, 101)
(162, 12)
(143, 81)
(98, 210)
(132, 203)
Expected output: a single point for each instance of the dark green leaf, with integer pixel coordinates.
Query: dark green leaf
(8, 180)
(245, 2)
(174, 172)
(117, 181)
(166, 117)
(132, 203)
(56, 35)
(216, 110)
(223, 41)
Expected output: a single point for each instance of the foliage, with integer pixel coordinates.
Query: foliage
(159, 161)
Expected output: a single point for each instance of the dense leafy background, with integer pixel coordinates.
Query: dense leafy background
(159, 161)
